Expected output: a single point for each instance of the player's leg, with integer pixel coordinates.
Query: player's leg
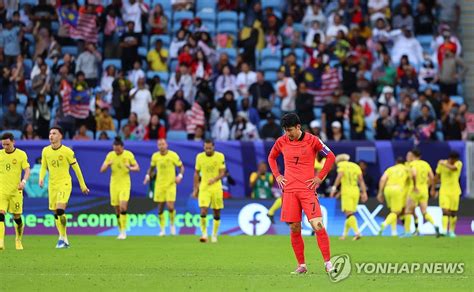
(19, 228)
(396, 206)
(2, 229)
(217, 204)
(123, 207)
(445, 204)
(161, 218)
(312, 209)
(61, 223)
(15, 207)
(409, 213)
(423, 207)
(172, 212)
(297, 243)
(115, 203)
(119, 224)
(170, 199)
(453, 215)
(271, 212)
(204, 203)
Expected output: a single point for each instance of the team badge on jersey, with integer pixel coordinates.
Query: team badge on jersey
(60, 157)
(14, 161)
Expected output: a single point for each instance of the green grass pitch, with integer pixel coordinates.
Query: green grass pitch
(239, 263)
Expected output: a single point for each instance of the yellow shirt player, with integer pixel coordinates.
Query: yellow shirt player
(121, 162)
(165, 162)
(349, 176)
(449, 172)
(209, 170)
(418, 191)
(57, 159)
(13, 162)
(393, 185)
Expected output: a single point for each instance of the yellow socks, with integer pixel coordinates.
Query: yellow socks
(215, 227)
(429, 218)
(445, 223)
(351, 222)
(2, 230)
(61, 223)
(162, 220)
(391, 218)
(119, 224)
(276, 205)
(407, 223)
(123, 221)
(172, 215)
(452, 223)
(204, 226)
(347, 226)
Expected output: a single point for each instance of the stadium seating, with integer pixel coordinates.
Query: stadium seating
(206, 5)
(16, 133)
(177, 135)
(115, 62)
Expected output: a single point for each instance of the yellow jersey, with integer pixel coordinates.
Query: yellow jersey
(57, 162)
(11, 166)
(318, 165)
(165, 168)
(450, 178)
(422, 170)
(120, 173)
(208, 167)
(397, 175)
(351, 172)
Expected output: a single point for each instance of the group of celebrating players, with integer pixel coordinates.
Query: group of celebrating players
(404, 185)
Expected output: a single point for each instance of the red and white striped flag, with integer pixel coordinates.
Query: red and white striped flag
(86, 28)
(195, 117)
(79, 110)
(330, 82)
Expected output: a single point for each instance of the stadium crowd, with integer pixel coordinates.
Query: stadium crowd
(228, 69)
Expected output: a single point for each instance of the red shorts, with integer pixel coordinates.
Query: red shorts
(294, 202)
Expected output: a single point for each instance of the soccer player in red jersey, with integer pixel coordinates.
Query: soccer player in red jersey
(299, 183)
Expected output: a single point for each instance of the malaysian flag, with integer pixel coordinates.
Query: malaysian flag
(330, 82)
(86, 28)
(75, 103)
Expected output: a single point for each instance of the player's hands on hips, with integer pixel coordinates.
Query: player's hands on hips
(363, 197)
(85, 190)
(313, 183)
(380, 197)
(41, 183)
(281, 180)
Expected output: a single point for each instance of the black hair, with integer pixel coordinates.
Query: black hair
(416, 152)
(400, 160)
(209, 141)
(118, 141)
(454, 155)
(8, 136)
(290, 120)
(59, 129)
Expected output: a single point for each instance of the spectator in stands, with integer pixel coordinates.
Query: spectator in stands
(425, 124)
(378, 9)
(315, 35)
(107, 81)
(424, 20)
(177, 118)
(404, 18)
(10, 38)
(136, 73)
(356, 118)
(178, 97)
(428, 73)
(315, 129)
(41, 84)
(221, 63)
(417, 107)
(42, 116)
(314, 13)
(129, 43)
(158, 20)
(290, 67)
(104, 121)
(245, 79)
(29, 133)
(221, 129)
(134, 11)
(304, 104)
(181, 80)
(199, 134)
(226, 81)
(332, 111)
(384, 125)
(249, 40)
(446, 105)
(223, 5)
(43, 14)
(155, 130)
(286, 90)
(176, 44)
(89, 63)
(133, 130)
(243, 129)
(270, 130)
(263, 94)
(452, 71)
(368, 179)
(29, 112)
(141, 99)
(261, 182)
(120, 96)
(446, 40)
(336, 131)
(82, 134)
(334, 28)
(403, 129)
(36, 68)
(112, 29)
(7, 87)
(387, 98)
(409, 80)
(453, 124)
(449, 13)
(158, 57)
(67, 61)
(406, 44)
(200, 67)
(251, 112)
(103, 136)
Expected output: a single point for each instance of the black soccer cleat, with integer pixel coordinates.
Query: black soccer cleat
(271, 218)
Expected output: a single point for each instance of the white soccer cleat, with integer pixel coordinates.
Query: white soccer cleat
(162, 233)
(122, 235)
(329, 267)
(214, 239)
(173, 230)
(203, 239)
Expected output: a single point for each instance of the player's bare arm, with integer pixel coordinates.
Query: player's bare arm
(413, 177)
(337, 182)
(148, 175)
(218, 178)
(179, 177)
(383, 181)
(26, 175)
(196, 184)
(134, 167)
(105, 166)
(363, 189)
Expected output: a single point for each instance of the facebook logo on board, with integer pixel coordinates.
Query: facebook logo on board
(253, 219)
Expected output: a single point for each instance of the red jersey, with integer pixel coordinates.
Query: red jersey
(299, 156)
